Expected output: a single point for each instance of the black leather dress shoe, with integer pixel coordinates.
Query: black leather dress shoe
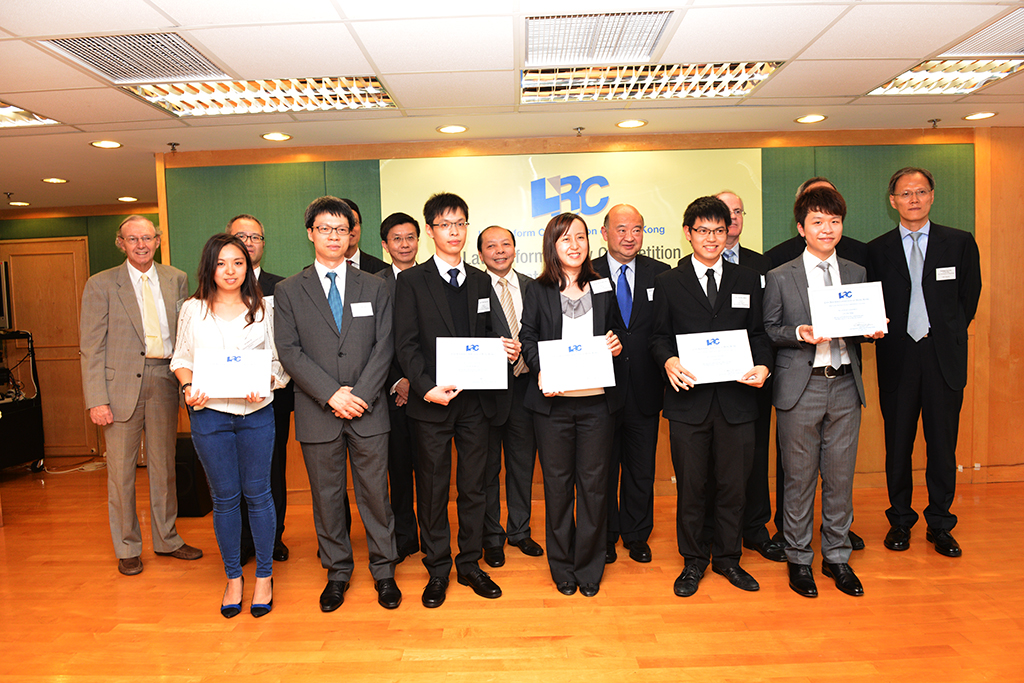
(481, 584)
(843, 575)
(609, 554)
(687, 582)
(434, 593)
(388, 595)
(780, 538)
(738, 577)
(333, 595)
(801, 580)
(898, 538)
(639, 551)
(566, 587)
(406, 552)
(769, 550)
(944, 542)
(280, 552)
(494, 557)
(589, 590)
(530, 547)
(856, 542)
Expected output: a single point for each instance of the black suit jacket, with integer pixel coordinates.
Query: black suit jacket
(951, 303)
(395, 373)
(848, 248)
(638, 368)
(542, 321)
(368, 263)
(284, 398)
(681, 306)
(268, 281)
(421, 316)
(502, 400)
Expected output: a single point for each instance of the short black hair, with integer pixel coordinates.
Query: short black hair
(441, 202)
(810, 181)
(355, 209)
(708, 208)
(331, 206)
(824, 199)
(480, 237)
(394, 219)
(910, 170)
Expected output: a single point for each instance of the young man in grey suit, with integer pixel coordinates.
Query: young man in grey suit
(333, 334)
(129, 322)
(818, 396)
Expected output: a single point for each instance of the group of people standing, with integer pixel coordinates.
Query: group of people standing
(354, 349)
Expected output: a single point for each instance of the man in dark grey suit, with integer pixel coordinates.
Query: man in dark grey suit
(333, 334)
(818, 396)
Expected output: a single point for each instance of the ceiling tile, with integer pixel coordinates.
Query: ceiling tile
(206, 13)
(97, 105)
(170, 124)
(805, 102)
(418, 45)
(410, 9)
(466, 114)
(452, 91)
(38, 69)
(56, 17)
(831, 78)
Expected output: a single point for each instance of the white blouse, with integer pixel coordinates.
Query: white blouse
(199, 328)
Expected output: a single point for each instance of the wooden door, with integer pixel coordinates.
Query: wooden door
(47, 279)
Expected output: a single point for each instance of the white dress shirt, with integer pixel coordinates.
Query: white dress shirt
(158, 300)
(816, 280)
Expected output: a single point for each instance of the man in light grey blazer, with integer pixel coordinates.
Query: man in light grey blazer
(128, 325)
(333, 333)
(818, 396)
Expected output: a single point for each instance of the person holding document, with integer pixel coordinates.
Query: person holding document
(818, 395)
(575, 429)
(234, 437)
(711, 425)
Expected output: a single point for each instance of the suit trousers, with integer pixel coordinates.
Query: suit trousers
(922, 393)
(278, 467)
(819, 435)
(156, 413)
(401, 472)
(466, 424)
(325, 464)
(516, 439)
(728, 451)
(631, 480)
(574, 446)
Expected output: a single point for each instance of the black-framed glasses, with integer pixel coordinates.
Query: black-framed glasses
(328, 229)
(249, 237)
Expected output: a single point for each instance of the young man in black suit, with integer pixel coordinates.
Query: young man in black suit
(446, 297)
(356, 257)
(931, 282)
(711, 425)
(631, 502)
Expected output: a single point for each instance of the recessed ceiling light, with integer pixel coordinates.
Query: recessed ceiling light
(451, 130)
(811, 118)
(631, 123)
(54, 181)
(127, 199)
(11, 116)
(979, 115)
(18, 203)
(105, 144)
(276, 137)
(949, 76)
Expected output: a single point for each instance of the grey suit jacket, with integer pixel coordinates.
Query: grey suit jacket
(786, 307)
(321, 360)
(113, 342)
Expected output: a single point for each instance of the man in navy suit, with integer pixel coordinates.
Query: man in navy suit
(931, 281)
(631, 493)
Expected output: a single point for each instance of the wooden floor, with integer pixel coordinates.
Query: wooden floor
(66, 614)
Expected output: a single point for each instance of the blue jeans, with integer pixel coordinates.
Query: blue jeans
(235, 451)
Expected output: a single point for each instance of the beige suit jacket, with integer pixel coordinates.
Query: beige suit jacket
(113, 342)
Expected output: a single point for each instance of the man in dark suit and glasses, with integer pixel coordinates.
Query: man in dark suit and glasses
(634, 453)
(931, 281)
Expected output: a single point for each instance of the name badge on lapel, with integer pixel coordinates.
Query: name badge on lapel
(483, 305)
(948, 273)
(741, 301)
(602, 285)
(362, 309)
(650, 293)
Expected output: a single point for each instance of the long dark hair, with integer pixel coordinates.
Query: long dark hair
(553, 274)
(252, 295)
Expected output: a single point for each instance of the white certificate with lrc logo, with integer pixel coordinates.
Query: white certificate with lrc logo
(572, 364)
(221, 373)
(715, 356)
(471, 363)
(847, 310)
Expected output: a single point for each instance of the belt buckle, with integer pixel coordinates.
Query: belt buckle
(831, 372)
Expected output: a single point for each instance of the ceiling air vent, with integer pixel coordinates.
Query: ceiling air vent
(1005, 38)
(579, 39)
(140, 58)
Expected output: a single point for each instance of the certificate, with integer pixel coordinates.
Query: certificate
(472, 363)
(571, 364)
(847, 310)
(221, 373)
(715, 356)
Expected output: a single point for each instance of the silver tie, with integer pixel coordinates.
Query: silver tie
(833, 346)
(917, 316)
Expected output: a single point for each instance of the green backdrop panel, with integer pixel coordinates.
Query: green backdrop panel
(782, 171)
(360, 182)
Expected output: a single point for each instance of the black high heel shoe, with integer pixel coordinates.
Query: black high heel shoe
(232, 611)
(263, 610)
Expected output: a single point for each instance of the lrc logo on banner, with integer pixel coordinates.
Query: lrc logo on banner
(567, 188)
(845, 295)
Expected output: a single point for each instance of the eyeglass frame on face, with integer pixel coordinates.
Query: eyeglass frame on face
(328, 229)
(737, 212)
(446, 226)
(144, 239)
(919, 193)
(704, 232)
(250, 237)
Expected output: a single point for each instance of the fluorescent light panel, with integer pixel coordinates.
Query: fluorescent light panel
(593, 38)
(215, 98)
(950, 76)
(13, 117)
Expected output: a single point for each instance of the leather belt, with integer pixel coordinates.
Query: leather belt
(831, 372)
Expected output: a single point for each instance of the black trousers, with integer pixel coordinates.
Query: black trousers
(516, 439)
(401, 473)
(631, 480)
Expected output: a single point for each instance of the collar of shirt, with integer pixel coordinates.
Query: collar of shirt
(355, 259)
(256, 270)
(136, 275)
(702, 271)
(815, 275)
(908, 243)
(513, 290)
(396, 270)
(325, 282)
(614, 267)
(735, 249)
(443, 267)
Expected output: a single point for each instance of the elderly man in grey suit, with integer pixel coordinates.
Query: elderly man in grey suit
(818, 397)
(129, 322)
(333, 334)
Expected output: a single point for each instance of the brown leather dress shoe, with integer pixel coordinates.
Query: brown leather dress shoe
(185, 552)
(130, 566)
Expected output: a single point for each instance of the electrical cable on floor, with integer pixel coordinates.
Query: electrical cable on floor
(90, 465)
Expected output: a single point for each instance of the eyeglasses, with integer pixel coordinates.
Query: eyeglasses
(133, 240)
(448, 226)
(704, 232)
(739, 212)
(328, 229)
(907, 194)
(249, 237)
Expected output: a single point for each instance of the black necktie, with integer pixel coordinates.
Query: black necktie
(712, 287)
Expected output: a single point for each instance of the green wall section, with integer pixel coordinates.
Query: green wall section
(862, 176)
(201, 201)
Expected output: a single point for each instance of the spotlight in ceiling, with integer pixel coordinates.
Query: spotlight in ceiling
(105, 144)
(811, 118)
(127, 199)
(276, 137)
(979, 115)
(18, 203)
(54, 181)
(451, 130)
(631, 123)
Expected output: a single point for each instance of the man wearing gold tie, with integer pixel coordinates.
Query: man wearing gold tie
(128, 325)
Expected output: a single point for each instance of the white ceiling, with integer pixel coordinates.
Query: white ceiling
(456, 61)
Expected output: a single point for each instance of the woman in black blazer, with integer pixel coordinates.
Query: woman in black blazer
(574, 429)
